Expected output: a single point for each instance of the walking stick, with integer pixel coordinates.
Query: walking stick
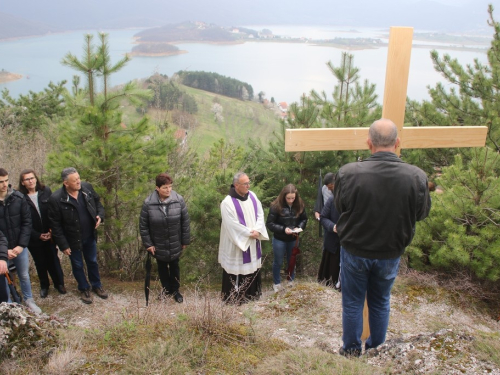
(366, 323)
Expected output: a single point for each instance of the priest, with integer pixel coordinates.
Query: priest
(240, 251)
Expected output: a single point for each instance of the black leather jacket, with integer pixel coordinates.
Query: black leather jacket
(15, 219)
(379, 200)
(278, 222)
(166, 228)
(64, 219)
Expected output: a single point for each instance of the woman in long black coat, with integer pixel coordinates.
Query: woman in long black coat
(41, 246)
(329, 268)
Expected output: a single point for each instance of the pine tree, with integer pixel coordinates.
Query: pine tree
(461, 233)
(474, 96)
(120, 158)
(352, 104)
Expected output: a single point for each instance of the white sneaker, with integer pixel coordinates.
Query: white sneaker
(290, 283)
(276, 288)
(30, 304)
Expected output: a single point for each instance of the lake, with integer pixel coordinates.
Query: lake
(284, 71)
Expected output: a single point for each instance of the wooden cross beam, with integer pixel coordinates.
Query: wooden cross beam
(396, 84)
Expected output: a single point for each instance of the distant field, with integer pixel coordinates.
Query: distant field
(243, 120)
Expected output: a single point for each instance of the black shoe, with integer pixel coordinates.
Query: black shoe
(100, 292)
(85, 296)
(44, 292)
(178, 297)
(61, 289)
(350, 352)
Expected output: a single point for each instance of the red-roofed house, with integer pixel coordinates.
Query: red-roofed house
(283, 106)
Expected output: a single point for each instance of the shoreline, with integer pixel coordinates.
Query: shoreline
(162, 54)
(274, 40)
(9, 77)
(85, 31)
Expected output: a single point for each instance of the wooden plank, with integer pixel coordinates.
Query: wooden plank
(444, 136)
(326, 139)
(411, 137)
(396, 76)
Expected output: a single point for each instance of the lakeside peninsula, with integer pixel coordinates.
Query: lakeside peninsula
(9, 77)
(159, 41)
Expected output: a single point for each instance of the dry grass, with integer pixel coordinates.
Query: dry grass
(21, 150)
(64, 361)
(313, 361)
(296, 331)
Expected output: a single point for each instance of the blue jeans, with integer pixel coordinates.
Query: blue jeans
(22, 263)
(279, 250)
(89, 251)
(374, 279)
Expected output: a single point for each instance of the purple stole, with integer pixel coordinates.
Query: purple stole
(241, 219)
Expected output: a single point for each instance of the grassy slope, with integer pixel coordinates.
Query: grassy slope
(297, 331)
(242, 120)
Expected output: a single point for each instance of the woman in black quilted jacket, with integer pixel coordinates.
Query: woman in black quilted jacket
(164, 227)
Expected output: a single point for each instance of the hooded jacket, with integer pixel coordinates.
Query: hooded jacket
(328, 219)
(164, 225)
(15, 219)
(379, 200)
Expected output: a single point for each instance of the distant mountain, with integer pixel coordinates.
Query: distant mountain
(186, 31)
(436, 15)
(14, 27)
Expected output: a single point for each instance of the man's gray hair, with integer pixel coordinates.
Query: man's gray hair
(66, 172)
(237, 177)
(383, 133)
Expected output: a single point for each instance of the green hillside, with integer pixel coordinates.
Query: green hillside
(242, 120)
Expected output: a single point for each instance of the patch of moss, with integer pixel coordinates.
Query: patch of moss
(240, 357)
(296, 298)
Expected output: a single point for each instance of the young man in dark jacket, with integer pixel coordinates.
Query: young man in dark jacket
(379, 201)
(15, 223)
(75, 213)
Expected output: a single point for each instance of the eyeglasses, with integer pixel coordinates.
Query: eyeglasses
(29, 179)
(244, 183)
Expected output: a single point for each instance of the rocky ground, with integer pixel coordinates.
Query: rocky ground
(428, 332)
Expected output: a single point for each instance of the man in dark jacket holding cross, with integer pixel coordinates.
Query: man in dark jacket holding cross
(379, 201)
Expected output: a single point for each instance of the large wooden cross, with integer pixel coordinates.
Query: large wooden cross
(396, 84)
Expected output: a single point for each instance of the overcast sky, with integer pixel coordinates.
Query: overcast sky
(445, 15)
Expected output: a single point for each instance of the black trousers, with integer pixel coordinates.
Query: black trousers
(240, 289)
(170, 275)
(46, 260)
(4, 297)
